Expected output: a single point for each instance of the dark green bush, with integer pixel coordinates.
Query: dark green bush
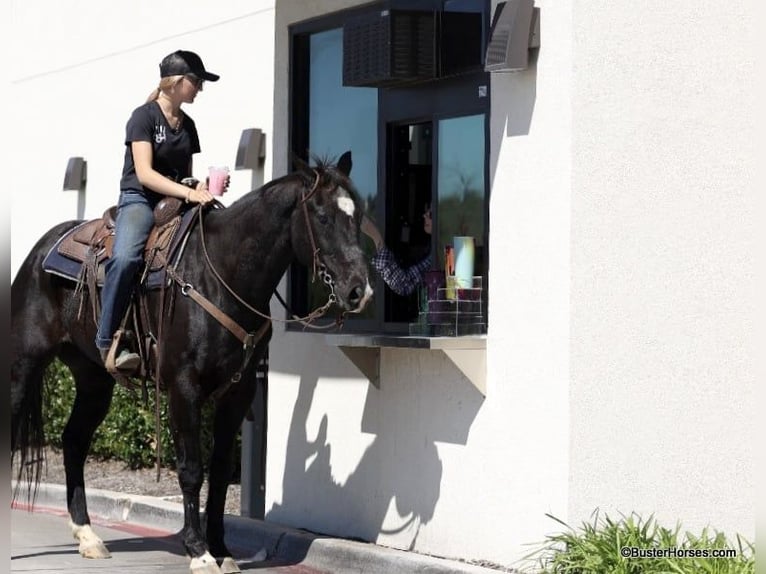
(128, 432)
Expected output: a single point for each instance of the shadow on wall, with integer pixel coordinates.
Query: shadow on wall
(401, 467)
(513, 104)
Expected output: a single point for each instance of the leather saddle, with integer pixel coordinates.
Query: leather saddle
(90, 244)
(81, 253)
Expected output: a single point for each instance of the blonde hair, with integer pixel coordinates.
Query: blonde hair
(166, 85)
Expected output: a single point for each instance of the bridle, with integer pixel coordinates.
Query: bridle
(319, 269)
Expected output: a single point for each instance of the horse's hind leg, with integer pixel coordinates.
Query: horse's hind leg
(94, 389)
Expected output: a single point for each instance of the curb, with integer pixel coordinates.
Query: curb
(290, 545)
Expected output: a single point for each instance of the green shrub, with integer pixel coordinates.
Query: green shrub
(598, 548)
(128, 431)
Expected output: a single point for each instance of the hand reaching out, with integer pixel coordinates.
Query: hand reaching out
(371, 231)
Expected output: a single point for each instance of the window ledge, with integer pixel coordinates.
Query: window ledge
(469, 353)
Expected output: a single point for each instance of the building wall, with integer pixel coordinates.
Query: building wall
(619, 355)
(425, 462)
(663, 247)
(619, 352)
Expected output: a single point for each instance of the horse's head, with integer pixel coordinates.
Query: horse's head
(325, 231)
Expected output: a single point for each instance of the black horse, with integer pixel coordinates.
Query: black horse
(312, 215)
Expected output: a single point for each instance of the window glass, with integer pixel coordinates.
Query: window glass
(342, 118)
(431, 150)
(460, 177)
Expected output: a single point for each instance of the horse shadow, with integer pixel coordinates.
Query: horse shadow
(396, 484)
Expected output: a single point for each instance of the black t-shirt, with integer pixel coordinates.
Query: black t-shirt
(172, 150)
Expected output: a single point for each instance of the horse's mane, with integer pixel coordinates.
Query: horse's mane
(327, 166)
(324, 166)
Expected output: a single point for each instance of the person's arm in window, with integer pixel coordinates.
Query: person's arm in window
(402, 281)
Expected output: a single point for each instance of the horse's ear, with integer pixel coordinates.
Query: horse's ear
(299, 164)
(344, 163)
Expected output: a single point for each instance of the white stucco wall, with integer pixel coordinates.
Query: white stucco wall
(455, 473)
(619, 350)
(80, 68)
(663, 251)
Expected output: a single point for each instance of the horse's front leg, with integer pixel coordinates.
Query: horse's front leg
(94, 395)
(185, 420)
(229, 413)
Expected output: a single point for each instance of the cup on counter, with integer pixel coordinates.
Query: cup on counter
(464, 249)
(216, 183)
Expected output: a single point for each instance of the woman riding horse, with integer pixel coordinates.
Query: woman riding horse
(234, 258)
(160, 141)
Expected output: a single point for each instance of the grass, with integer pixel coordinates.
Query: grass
(607, 546)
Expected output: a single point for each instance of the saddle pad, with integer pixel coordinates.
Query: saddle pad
(61, 265)
(67, 266)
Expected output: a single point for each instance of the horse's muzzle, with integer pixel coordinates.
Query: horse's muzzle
(358, 297)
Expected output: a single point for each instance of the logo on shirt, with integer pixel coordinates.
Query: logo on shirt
(159, 133)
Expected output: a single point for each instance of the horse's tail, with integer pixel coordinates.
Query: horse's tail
(28, 437)
(36, 333)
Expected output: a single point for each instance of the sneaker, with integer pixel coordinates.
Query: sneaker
(127, 360)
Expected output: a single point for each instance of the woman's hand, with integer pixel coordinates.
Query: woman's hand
(199, 194)
(371, 231)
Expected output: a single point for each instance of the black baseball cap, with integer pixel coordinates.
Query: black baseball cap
(182, 62)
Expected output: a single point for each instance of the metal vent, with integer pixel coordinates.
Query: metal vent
(515, 29)
(389, 48)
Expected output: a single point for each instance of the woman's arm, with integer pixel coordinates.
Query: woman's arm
(401, 281)
(154, 180)
(371, 230)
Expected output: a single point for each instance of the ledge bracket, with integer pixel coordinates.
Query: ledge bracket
(468, 354)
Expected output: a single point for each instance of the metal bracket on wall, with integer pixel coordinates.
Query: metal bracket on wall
(473, 364)
(367, 360)
(468, 354)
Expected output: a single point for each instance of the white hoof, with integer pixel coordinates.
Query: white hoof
(229, 566)
(91, 546)
(204, 564)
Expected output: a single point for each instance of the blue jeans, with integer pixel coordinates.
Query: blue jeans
(135, 219)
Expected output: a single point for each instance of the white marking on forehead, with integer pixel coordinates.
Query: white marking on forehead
(345, 203)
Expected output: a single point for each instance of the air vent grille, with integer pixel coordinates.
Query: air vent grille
(389, 48)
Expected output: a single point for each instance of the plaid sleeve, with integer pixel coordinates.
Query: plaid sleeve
(401, 281)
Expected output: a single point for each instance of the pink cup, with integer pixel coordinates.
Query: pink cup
(216, 183)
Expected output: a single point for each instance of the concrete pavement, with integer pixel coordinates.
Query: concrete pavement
(42, 543)
(249, 537)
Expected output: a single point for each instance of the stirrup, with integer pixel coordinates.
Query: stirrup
(119, 359)
(127, 361)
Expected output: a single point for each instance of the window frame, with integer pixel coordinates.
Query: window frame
(449, 97)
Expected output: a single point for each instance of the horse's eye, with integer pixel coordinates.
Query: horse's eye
(323, 219)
